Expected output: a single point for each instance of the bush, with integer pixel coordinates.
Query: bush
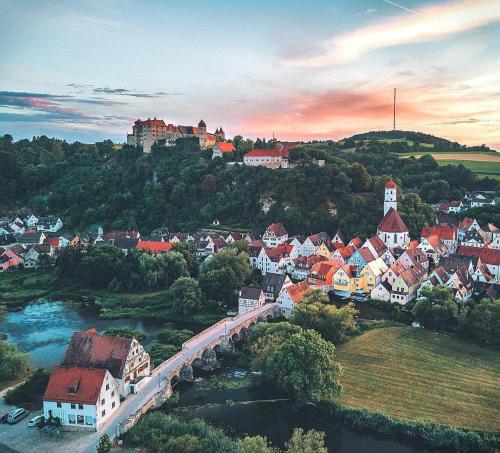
(125, 332)
(13, 363)
(30, 391)
(161, 352)
(174, 337)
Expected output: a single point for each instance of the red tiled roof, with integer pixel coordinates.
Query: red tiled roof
(324, 267)
(392, 223)
(444, 231)
(278, 229)
(151, 122)
(378, 245)
(54, 242)
(436, 243)
(85, 385)
(366, 254)
(390, 184)
(466, 223)
(225, 147)
(267, 153)
(486, 255)
(90, 350)
(155, 247)
(297, 291)
(357, 242)
(347, 251)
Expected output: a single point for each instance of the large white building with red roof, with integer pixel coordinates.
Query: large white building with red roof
(392, 230)
(270, 158)
(82, 398)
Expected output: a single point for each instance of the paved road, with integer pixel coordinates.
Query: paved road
(28, 440)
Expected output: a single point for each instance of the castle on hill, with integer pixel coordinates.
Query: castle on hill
(146, 133)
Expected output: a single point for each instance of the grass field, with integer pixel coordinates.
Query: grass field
(418, 374)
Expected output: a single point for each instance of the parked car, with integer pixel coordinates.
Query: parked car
(17, 415)
(3, 418)
(36, 421)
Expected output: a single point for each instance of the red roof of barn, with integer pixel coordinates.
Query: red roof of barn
(155, 247)
(392, 223)
(75, 385)
(267, 153)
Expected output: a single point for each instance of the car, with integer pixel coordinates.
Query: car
(36, 421)
(3, 418)
(17, 415)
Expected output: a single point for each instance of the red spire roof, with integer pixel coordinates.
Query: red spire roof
(390, 184)
(392, 223)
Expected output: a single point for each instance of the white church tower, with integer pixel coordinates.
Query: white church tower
(390, 198)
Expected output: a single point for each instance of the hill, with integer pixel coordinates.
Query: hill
(419, 374)
(409, 137)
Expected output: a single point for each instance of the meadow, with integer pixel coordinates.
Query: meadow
(416, 374)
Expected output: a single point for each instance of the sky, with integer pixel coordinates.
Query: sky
(298, 69)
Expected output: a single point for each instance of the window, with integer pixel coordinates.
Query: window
(79, 420)
(113, 405)
(80, 406)
(89, 421)
(103, 401)
(107, 386)
(103, 413)
(59, 405)
(112, 394)
(73, 406)
(71, 419)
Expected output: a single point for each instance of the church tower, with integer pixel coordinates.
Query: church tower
(390, 197)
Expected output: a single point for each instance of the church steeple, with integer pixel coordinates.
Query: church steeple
(390, 196)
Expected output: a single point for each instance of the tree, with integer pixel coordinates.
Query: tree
(31, 391)
(306, 442)
(229, 258)
(185, 295)
(334, 324)
(483, 321)
(161, 352)
(174, 337)
(104, 445)
(301, 363)
(220, 285)
(125, 332)
(254, 444)
(437, 308)
(14, 362)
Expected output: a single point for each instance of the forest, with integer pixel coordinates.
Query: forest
(182, 188)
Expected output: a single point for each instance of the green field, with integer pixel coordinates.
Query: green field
(418, 374)
(481, 169)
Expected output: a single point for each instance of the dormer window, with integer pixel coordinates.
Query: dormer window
(74, 385)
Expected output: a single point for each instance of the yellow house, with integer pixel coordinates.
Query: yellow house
(344, 281)
(322, 250)
(371, 275)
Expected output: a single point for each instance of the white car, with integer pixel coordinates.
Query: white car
(35, 420)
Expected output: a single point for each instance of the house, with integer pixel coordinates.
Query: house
(274, 235)
(233, 237)
(125, 244)
(394, 271)
(155, 247)
(250, 298)
(404, 288)
(221, 148)
(382, 292)
(273, 284)
(482, 274)
(433, 248)
(356, 242)
(290, 296)
(338, 238)
(495, 243)
(480, 200)
(322, 273)
(124, 358)
(311, 244)
(301, 266)
(82, 398)
(489, 257)
(475, 238)
(50, 224)
(450, 207)
(30, 220)
(466, 225)
(447, 233)
(371, 275)
(343, 253)
(344, 281)
(31, 258)
(438, 277)
(412, 257)
(461, 284)
(31, 238)
(17, 226)
(10, 258)
(379, 250)
(273, 260)
(360, 258)
(112, 235)
(270, 158)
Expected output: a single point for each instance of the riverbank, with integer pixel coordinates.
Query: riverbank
(20, 288)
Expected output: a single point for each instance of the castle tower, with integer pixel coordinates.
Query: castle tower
(390, 196)
(202, 134)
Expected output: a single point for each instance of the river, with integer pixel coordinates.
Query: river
(44, 329)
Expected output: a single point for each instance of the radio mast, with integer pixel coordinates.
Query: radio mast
(394, 112)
